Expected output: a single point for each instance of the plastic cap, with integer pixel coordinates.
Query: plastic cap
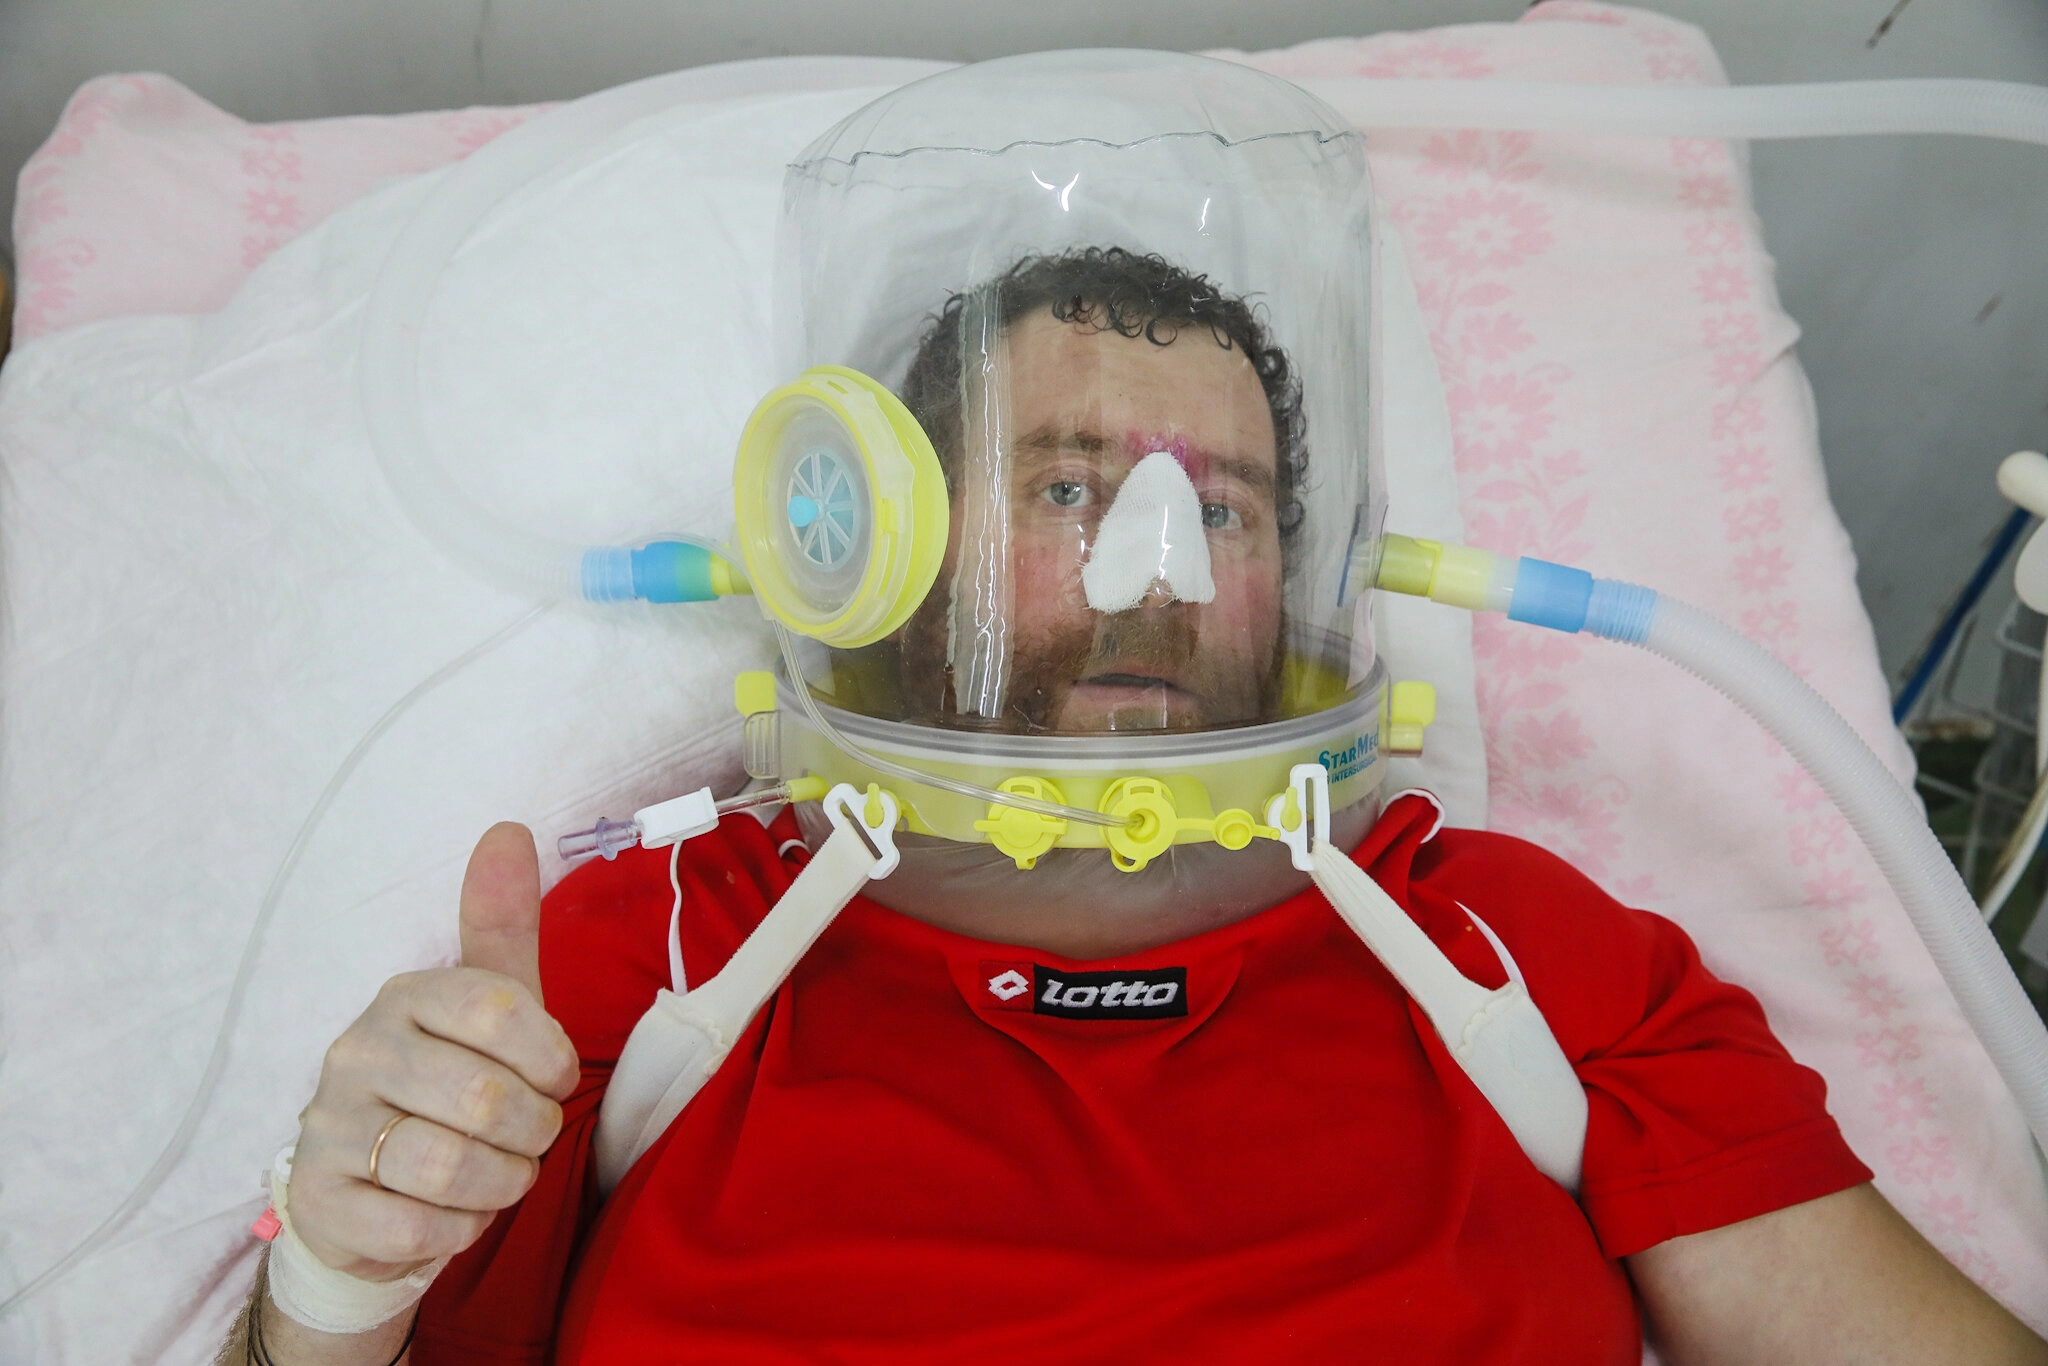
(1411, 707)
(754, 691)
(2023, 478)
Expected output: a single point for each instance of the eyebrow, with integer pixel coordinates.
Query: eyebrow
(1050, 440)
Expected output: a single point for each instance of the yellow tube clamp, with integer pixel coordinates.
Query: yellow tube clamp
(1411, 707)
(1020, 834)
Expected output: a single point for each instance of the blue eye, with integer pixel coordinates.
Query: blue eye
(1067, 493)
(1220, 517)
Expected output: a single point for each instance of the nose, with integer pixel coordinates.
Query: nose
(1158, 596)
(1151, 542)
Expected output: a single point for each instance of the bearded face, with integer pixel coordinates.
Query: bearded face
(1051, 433)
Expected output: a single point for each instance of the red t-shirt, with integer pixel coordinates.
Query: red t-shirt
(915, 1154)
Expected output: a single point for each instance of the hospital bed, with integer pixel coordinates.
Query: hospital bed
(253, 715)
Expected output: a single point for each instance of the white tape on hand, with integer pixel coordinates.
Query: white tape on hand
(314, 1294)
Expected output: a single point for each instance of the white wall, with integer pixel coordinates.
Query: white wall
(1914, 268)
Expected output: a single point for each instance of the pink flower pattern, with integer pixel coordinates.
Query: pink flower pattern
(252, 188)
(1848, 944)
(46, 280)
(1759, 568)
(1480, 223)
(1427, 56)
(1481, 230)
(1906, 1102)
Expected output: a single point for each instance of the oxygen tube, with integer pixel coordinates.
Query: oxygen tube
(1882, 813)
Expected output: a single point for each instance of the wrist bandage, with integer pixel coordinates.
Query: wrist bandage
(314, 1294)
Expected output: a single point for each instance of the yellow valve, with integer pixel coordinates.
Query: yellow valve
(876, 444)
(724, 581)
(1150, 824)
(1233, 829)
(1411, 707)
(1020, 834)
(753, 692)
(1290, 811)
(809, 788)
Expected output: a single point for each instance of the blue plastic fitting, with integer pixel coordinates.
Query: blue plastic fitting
(661, 571)
(1552, 595)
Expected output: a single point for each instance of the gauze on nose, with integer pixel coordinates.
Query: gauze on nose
(1152, 533)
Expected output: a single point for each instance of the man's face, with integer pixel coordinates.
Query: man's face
(1083, 408)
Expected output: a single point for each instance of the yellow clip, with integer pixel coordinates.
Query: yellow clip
(1411, 706)
(1290, 811)
(874, 812)
(1150, 821)
(1020, 834)
(1234, 829)
(753, 692)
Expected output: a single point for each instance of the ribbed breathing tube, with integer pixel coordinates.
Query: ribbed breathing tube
(1880, 810)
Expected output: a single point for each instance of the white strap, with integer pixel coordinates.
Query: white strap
(678, 979)
(682, 1039)
(1499, 1037)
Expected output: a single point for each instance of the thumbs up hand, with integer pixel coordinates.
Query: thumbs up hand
(453, 1077)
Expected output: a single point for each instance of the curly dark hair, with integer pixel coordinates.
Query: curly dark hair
(1110, 289)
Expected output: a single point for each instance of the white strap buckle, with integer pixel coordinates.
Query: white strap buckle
(850, 809)
(1308, 786)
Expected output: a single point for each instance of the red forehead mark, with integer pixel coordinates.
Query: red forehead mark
(1141, 444)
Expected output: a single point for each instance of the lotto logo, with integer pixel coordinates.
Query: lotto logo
(1147, 994)
(1008, 985)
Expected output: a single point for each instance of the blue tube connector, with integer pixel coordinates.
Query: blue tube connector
(660, 571)
(1571, 600)
(1531, 590)
(1550, 595)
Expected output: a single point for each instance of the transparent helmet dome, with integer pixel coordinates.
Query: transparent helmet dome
(1127, 295)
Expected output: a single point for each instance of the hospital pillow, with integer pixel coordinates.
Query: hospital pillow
(211, 598)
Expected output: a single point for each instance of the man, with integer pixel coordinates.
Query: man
(1268, 1155)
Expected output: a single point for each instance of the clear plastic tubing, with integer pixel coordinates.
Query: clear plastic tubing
(1985, 109)
(1880, 810)
(180, 1141)
(521, 562)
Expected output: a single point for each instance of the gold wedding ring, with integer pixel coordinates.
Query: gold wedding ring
(377, 1148)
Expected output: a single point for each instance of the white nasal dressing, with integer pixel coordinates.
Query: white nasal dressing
(1151, 534)
(313, 1293)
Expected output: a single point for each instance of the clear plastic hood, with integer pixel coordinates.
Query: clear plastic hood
(1128, 296)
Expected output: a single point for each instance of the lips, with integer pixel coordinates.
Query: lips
(1128, 701)
(1123, 680)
